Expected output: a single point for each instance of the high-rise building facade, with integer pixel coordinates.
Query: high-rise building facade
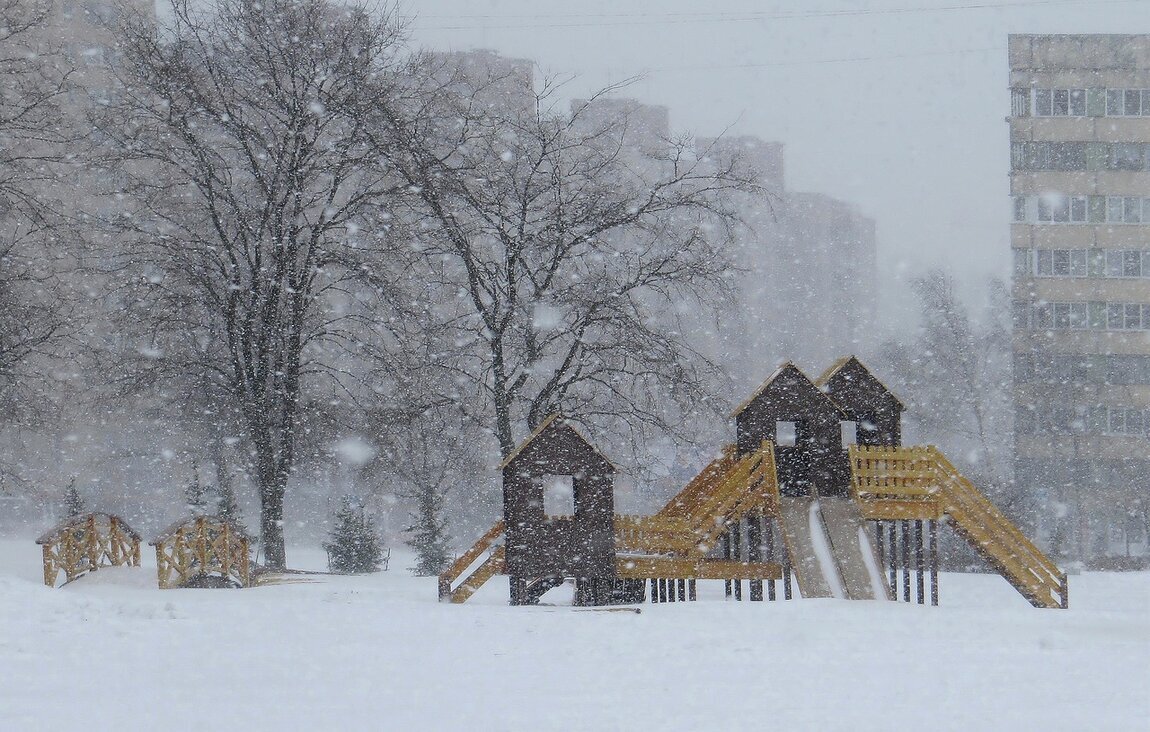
(1080, 182)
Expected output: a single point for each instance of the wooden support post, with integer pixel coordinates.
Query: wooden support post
(769, 540)
(725, 552)
(905, 560)
(786, 575)
(755, 552)
(878, 544)
(893, 561)
(692, 592)
(682, 590)
(920, 594)
(518, 590)
(662, 590)
(49, 565)
(736, 533)
(92, 544)
(654, 590)
(932, 527)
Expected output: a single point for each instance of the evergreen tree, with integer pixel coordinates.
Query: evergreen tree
(428, 532)
(227, 507)
(194, 494)
(354, 547)
(73, 501)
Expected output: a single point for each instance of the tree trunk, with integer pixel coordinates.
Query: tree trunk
(272, 474)
(272, 524)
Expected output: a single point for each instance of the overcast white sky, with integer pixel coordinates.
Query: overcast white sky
(895, 105)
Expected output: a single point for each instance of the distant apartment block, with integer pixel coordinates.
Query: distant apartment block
(809, 293)
(1080, 181)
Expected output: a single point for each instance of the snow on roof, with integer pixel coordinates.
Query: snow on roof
(841, 363)
(552, 418)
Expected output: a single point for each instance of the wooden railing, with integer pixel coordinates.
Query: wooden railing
(202, 551)
(85, 543)
(686, 501)
(654, 535)
(492, 566)
(465, 560)
(999, 540)
(749, 485)
(906, 483)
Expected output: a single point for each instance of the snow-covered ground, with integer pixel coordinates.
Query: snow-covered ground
(112, 652)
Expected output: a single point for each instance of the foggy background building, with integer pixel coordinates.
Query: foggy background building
(1080, 180)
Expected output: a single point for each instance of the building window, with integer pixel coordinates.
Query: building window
(558, 495)
(1127, 102)
(1059, 103)
(1060, 208)
(849, 433)
(785, 434)
(1085, 368)
(1020, 102)
(1022, 267)
(1126, 156)
(1020, 209)
(1086, 315)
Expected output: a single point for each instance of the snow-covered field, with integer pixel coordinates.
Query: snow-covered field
(112, 652)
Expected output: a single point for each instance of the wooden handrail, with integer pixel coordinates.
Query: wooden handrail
(85, 543)
(908, 474)
(465, 560)
(202, 545)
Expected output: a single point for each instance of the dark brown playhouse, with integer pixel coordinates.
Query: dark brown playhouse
(813, 465)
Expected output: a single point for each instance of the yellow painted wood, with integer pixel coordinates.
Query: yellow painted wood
(893, 509)
(491, 567)
(465, 560)
(202, 545)
(888, 482)
(85, 543)
(654, 535)
(685, 502)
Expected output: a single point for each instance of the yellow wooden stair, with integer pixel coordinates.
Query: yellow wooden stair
(902, 483)
(491, 567)
(726, 490)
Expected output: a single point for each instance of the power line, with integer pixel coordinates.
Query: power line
(607, 20)
(815, 62)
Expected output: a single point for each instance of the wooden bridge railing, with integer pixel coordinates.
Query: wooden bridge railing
(85, 543)
(201, 548)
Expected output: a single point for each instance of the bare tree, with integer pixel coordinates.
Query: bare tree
(955, 377)
(36, 317)
(254, 259)
(572, 255)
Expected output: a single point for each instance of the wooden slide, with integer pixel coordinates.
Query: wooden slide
(842, 520)
(795, 517)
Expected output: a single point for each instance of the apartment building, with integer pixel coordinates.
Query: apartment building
(809, 293)
(1080, 181)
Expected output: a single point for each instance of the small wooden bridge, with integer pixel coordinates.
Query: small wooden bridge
(84, 543)
(203, 551)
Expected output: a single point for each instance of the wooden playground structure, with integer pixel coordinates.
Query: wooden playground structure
(817, 490)
(84, 543)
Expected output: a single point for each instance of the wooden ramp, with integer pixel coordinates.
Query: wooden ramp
(900, 483)
(842, 521)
